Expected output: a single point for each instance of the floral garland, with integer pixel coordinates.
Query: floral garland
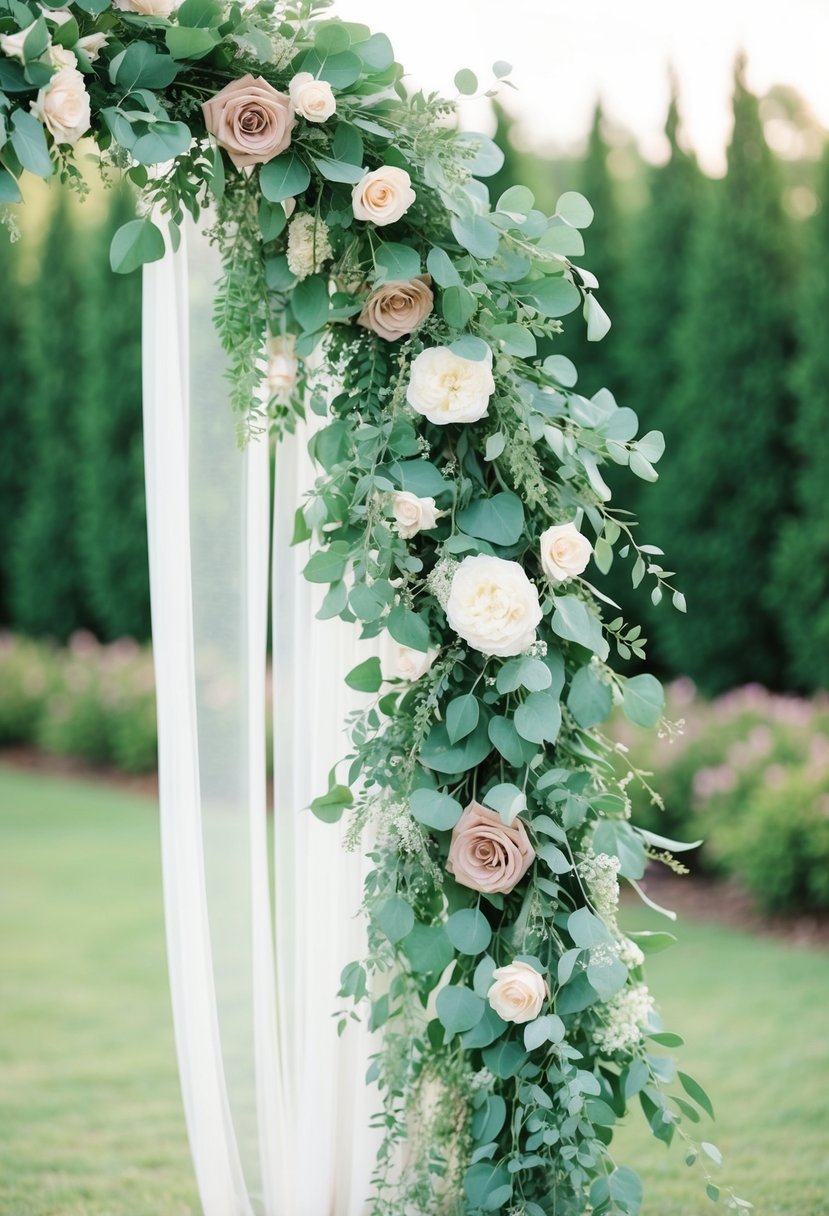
(461, 473)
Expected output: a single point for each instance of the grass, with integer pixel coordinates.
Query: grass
(90, 1115)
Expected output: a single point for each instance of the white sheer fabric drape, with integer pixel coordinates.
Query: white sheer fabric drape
(276, 1106)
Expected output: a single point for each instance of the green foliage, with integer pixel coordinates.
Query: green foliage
(727, 487)
(799, 593)
(47, 592)
(111, 517)
(15, 448)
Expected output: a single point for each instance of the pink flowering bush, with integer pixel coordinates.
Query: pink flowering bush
(749, 773)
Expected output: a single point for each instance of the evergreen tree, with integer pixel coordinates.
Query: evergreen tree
(46, 583)
(800, 590)
(725, 484)
(652, 287)
(598, 362)
(15, 441)
(112, 538)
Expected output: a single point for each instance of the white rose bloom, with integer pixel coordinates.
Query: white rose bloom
(518, 992)
(564, 552)
(411, 664)
(493, 606)
(383, 196)
(308, 245)
(147, 8)
(62, 58)
(312, 98)
(58, 16)
(445, 387)
(12, 44)
(413, 514)
(93, 44)
(283, 367)
(63, 106)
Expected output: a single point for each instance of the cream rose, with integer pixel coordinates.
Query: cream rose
(92, 44)
(61, 58)
(312, 98)
(486, 854)
(63, 106)
(396, 309)
(493, 606)
(251, 120)
(518, 993)
(564, 552)
(411, 664)
(283, 367)
(12, 44)
(147, 8)
(413, 514)
(383, 196)
(445, 387)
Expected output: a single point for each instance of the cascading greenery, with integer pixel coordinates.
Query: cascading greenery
(459, 501)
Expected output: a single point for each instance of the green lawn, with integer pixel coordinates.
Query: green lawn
(90, 1116)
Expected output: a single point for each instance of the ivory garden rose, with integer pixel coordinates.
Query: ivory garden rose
(396, 309)
(411, 664)
(445, 387)
(383, 196)
(147, 8)
(413, 514)
(493, 606)
(283, 366)
(518, 992)
(564, 552)
(63, 106)
(251, 120)
(486, 854)
(313, 99)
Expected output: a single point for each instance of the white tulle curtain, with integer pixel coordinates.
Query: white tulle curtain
(275, 1103)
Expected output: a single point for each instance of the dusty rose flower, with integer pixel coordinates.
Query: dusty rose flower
(487, 855)
(518, 992)
(383, 196)
(396, 309)
(313, 99)
(251, 120)
(413, 514)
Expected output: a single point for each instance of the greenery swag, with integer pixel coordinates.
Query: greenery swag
(461, 471)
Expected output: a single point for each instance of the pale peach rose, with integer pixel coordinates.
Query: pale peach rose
(251, 120)
(396, 309)
(61, 58)
(93, 44)
(147, 8)
(383, 196)
(411, 664)
(518, 992)
(283, 367)
(12, 44)
(63, 106)
(486, 854)
(312, 98)
(413, 514)
(564, 552)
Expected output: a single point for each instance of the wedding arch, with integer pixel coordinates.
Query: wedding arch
(323, 264)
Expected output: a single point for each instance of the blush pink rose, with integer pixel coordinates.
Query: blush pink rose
(485, 854)
(397, 309)
(251, 120)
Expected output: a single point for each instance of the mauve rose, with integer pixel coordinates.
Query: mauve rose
(485, 854)
(251, 120)
(396, 309)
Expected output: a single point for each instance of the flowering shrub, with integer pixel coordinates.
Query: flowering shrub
(749, 774)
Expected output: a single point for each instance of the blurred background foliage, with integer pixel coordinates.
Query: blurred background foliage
(719, 293)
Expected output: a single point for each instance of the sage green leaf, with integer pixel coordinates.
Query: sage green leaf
(586, 929)
(575, 209)
(462, 716)
(507, 799)
(310, 302)
(376, 53)
(573, 621)
(441, 755)
(397, 262)
(643, 700)
(590, 699)
(695, 1091)
(190, 43)
(458, 305)
(340, 70)
(428, 949)
(284, 177)
(9, 189)
(469, 931)
(396, 918)
(28, 139)
(435, 810)
(477, 234)
(338, 170)
(408, 628)
(553, 296)
(134, 244)
(366, 676)
(538, 718)
(617, 838)
(499, 519)
(330, 806)
(442, 268)
(328, 565)
(523, 672)
(140, 66)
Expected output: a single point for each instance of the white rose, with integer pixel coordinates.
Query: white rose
(493, 606)
(62, 58)
(283, 367)
(411, 664)
(63, 106)
(147, 8)
(413, 514)
(383, 196)
(564, 552)
(12, 44)
(312, 98)
(58, 16)
(518, 993)
(445, 387)
(93, 44)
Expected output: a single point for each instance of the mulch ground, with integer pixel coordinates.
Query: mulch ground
(696, 896)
